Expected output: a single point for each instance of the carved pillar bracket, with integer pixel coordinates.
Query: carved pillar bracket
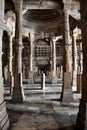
(18, 93)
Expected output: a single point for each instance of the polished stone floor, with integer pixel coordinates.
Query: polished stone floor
(42, 110)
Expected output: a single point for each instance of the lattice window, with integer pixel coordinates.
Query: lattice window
(42, 51)
(59, 50)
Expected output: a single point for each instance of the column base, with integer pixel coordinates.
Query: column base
(82, 116)
(11, 85)
(54, 80)
(18, 92)
(74, 83)
(18, 95)
(43, 81)
(31, 80)
(4, 122)
(67, 94)
(10, 82)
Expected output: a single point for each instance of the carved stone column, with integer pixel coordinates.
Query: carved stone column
(4, 122)
(50, 73)
(10, 71)
(74, 46)
(51, 55)
(31, 51)
(80, 69)
(31, 39)
(82, 115)
(67, 95)
(18, 93)
(54, 78)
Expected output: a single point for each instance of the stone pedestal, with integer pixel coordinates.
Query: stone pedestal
(10, 82)
(6, 73)
(54, 78)
(31, 78)
(43, 81)
(18, 93)
(67, 95)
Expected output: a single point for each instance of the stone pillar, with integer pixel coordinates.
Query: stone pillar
(18, 93)
(10, 71)
(67, 95)
(74, 48)
(31, 51)
(79, 79)
(51, 55)
(31, 39)
(4, 122)
(43, 81)
(80, 69)
(54, 77)
(50, 73)
(82, 114)
(61, 72)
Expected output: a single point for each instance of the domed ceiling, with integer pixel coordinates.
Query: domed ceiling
(40, 20)
(40, 15)
(46, 16)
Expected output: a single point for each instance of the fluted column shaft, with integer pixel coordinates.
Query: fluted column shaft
(10, 63)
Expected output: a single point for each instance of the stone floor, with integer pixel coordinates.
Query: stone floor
(42, 110)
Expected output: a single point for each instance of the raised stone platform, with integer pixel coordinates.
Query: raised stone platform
(42, 110)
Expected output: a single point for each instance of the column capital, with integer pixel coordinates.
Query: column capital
(31, 37)
(67, 5)
(54, 39)
(18, 4)
(76, 31)
(10, 34)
